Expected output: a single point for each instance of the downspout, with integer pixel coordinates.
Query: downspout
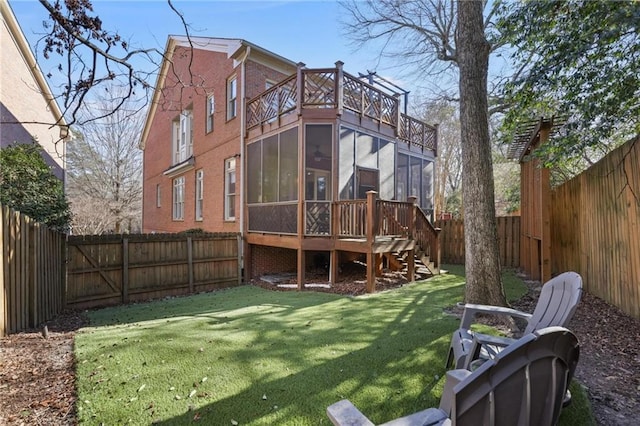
(243, 126)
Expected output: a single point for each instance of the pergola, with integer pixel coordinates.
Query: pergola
(535, 197)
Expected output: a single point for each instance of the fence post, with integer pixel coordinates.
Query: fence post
(239, 257)
(438, 249)
(32, 265)
(64, 256)
(190, 262)
(4, 212)
(125, 270)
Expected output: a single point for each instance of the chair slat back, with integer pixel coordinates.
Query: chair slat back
(524, 385)
(557, 303)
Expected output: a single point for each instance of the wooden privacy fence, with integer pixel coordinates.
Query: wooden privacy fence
(31, 272)
(111, 269)
(595, 228)
(452, 240)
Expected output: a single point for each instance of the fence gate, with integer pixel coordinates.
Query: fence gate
(94, 269)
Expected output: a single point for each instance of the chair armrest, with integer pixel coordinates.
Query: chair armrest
(487, 339)
(452, 378)
(430, 417)
(344, 413)
(471, 310)
(488, 342)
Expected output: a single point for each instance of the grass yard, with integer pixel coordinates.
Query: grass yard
(250, 356)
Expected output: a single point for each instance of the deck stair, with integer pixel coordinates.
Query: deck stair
(424, 267)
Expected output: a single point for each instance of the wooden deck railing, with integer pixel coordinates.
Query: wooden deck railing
(320, 88)
(393, 218)
(331, 88)
(426, 237)
(418, 133)
(365, 100)
(273, 103)
(350, 218)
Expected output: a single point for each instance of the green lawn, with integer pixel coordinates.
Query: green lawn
(256, 357)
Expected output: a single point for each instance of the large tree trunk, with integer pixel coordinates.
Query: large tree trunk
(482, 261)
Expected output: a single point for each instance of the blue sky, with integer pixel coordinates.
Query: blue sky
(301, 30)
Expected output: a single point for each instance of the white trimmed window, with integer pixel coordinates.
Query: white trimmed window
(211, 109)
(183, 137)
(199, 193)
(178, 198)
(158, 196)
(232, 97)
(230, 189)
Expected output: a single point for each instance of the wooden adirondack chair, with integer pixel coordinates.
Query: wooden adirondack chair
(523, 385)
(556, 305)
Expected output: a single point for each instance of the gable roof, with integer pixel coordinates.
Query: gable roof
(236, 49)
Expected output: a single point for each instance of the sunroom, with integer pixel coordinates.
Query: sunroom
(333, 165)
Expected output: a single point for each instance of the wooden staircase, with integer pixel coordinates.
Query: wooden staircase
(427, 251)
(424, 267)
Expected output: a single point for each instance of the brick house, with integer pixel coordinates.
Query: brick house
(28, 110)
(309, 165)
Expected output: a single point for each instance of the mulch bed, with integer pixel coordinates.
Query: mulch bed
(37, 373)
(609, 365)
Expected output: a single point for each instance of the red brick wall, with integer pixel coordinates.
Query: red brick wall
(265, 260)
(257, 76)
(208, 74)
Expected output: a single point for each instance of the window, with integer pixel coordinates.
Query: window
(211, 109)
(232, 97)
(230, 189)
(199, 193)
(183, 137)
(272, 168)
(178, 198)
(158, 196)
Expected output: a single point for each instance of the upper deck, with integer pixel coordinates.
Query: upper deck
(331, 92)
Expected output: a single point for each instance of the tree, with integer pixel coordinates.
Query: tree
(482, 263)
(440, 36)
(28, 185)
(581, 60)
(449, 165)
(105, 169)
(90, 58)
(87, 57)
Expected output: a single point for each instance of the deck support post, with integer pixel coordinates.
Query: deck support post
(301, 268)
(333, 266)
(378, 264)
(371, 272)
(411, 265)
